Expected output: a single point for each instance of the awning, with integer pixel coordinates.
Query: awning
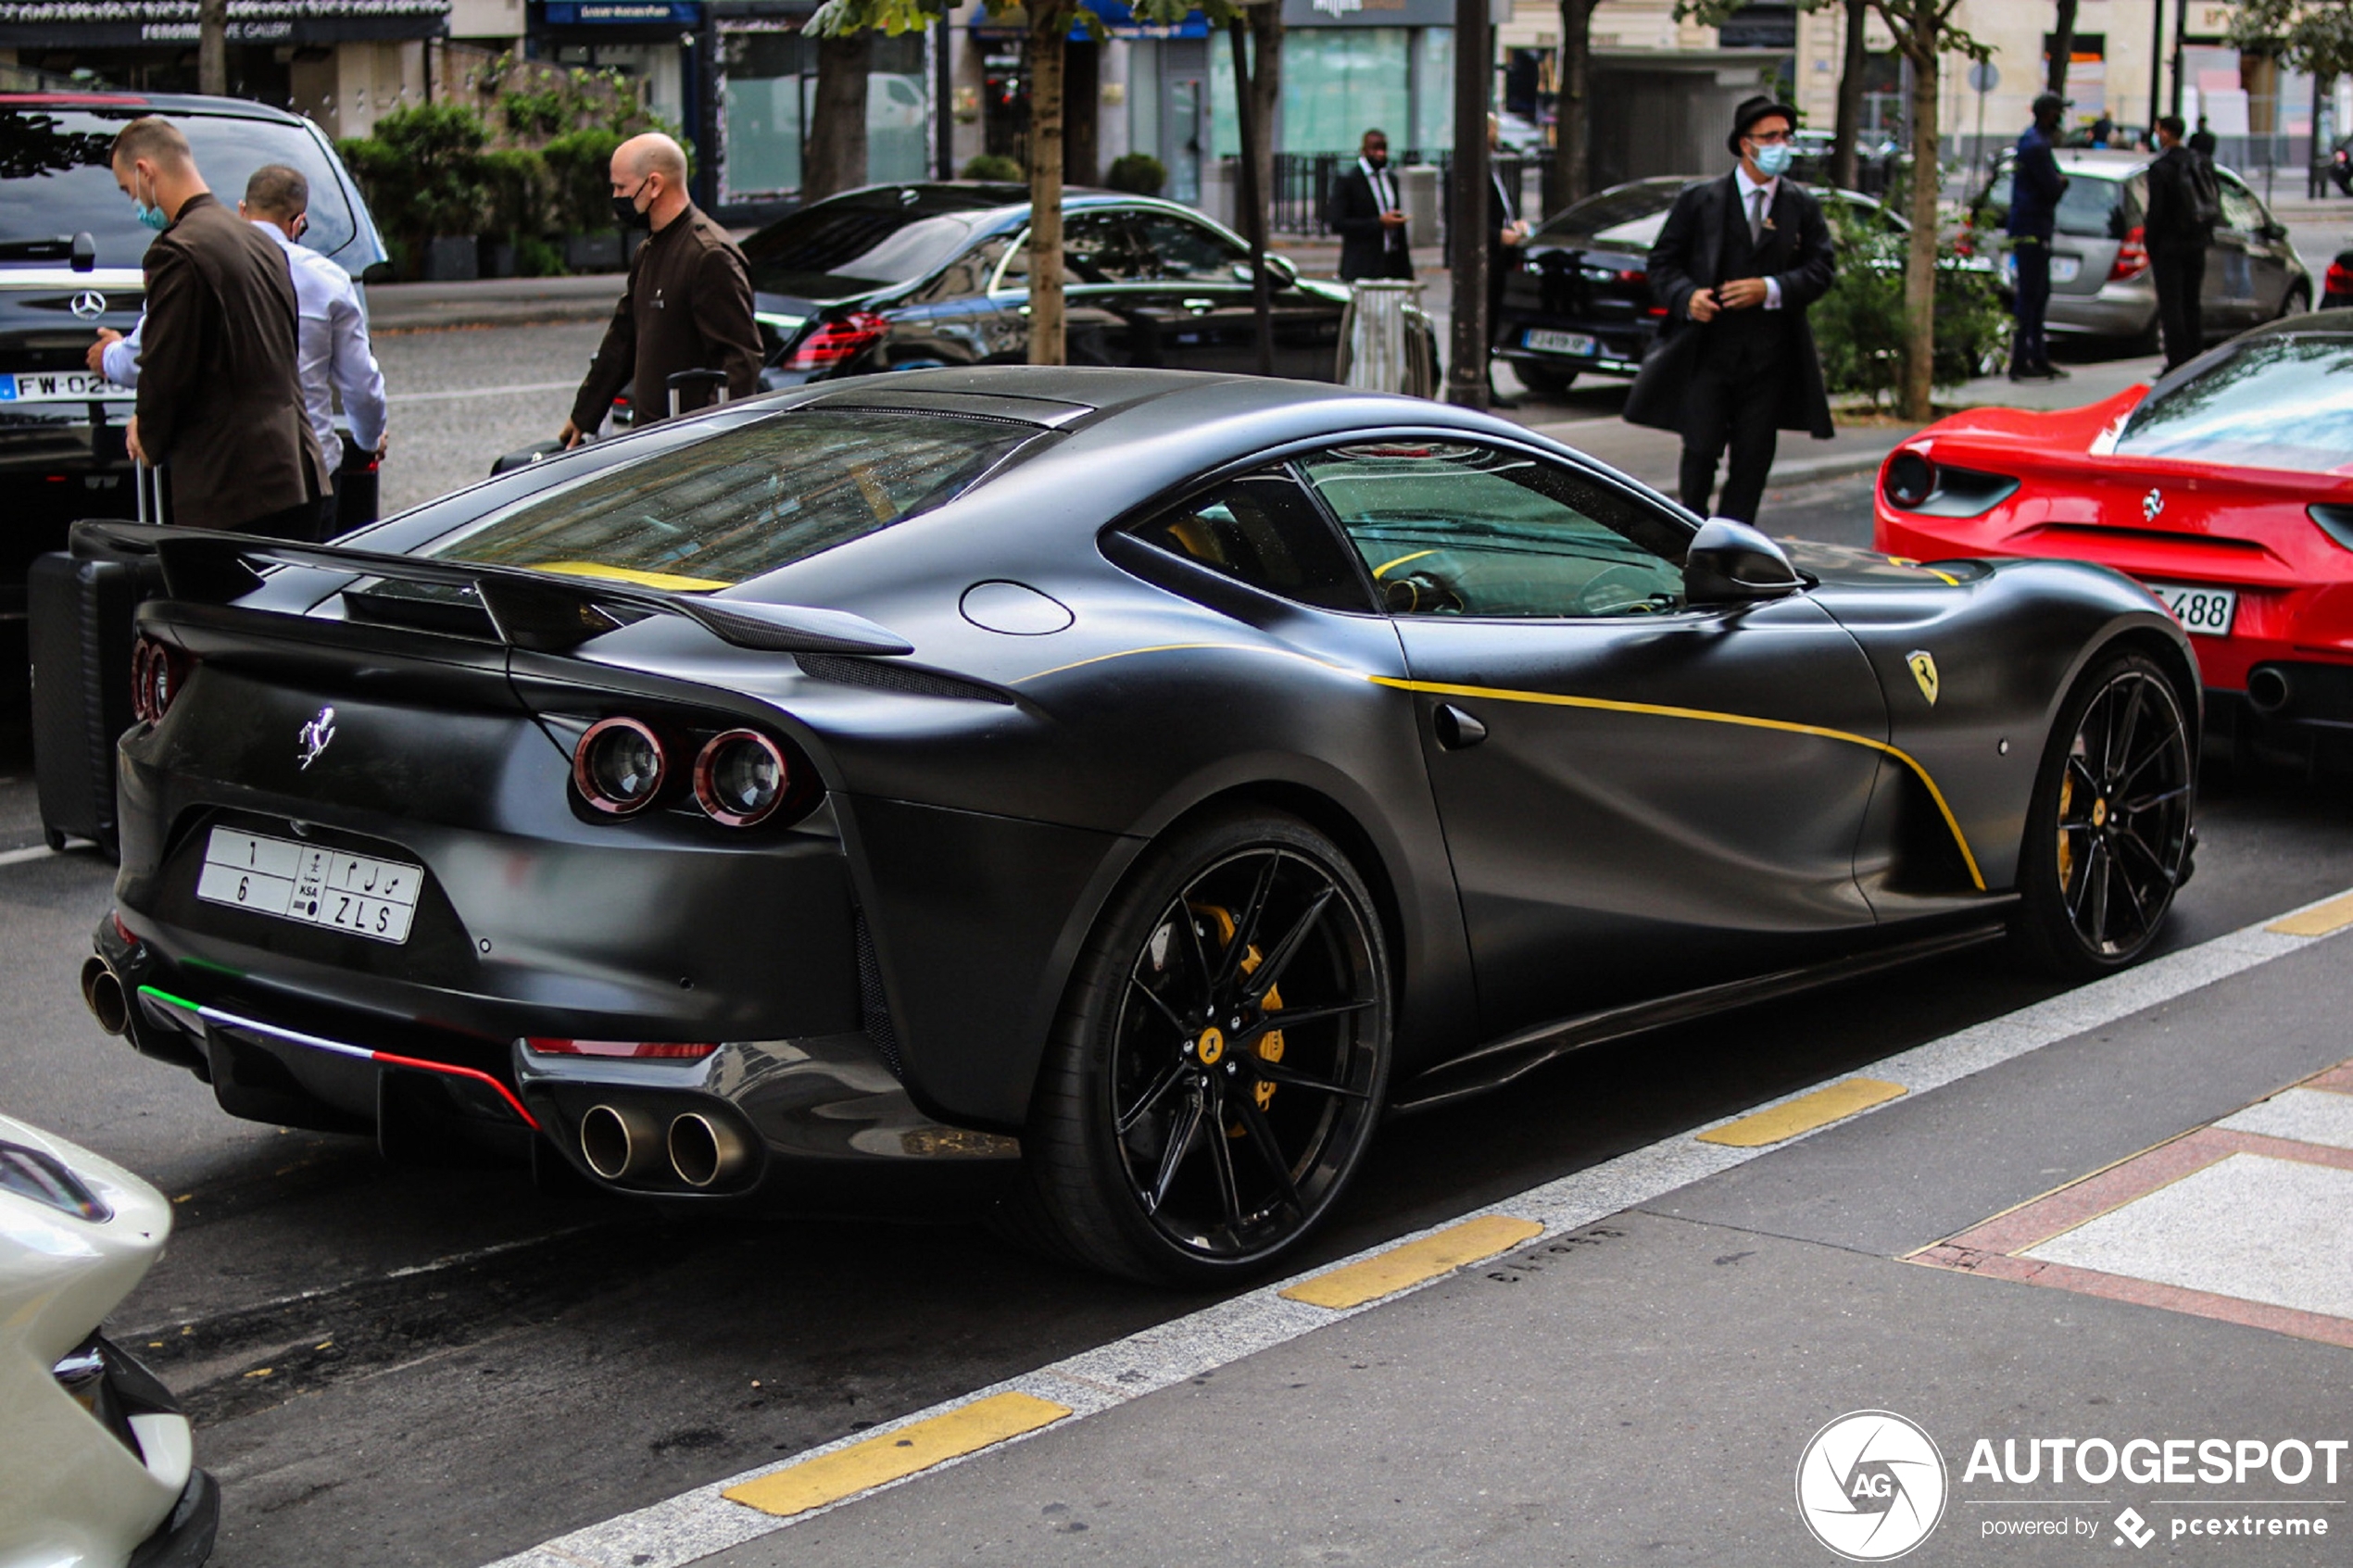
(131, 24)
(622, 13)
(1117, 18)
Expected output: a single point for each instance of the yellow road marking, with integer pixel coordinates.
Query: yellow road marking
(1388, 1273)
(1804, 1113)
(2317, 921)
(892, 1456)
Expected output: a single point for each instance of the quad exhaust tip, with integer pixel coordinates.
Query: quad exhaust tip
(618, 1143)
(624, 1143)
(705, 1153)
(101, 992)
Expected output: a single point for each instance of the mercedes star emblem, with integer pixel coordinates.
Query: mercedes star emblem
(89, 304)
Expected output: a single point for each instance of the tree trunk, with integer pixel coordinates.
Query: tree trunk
(1845, 169)
(1919, 263)
(212, 47)
(1048, 27)
(1573, 117)
(1267, 90)
(835, 158)
(1467, 206)
(2062, 47)
(1251, 197)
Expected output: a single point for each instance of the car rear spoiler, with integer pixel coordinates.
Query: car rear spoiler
(539, 610)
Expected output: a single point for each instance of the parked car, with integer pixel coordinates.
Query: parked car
(2226, 488)
(1152, 777)
(2100, 282)
(909, 277)
(2336, 284)
(61, 448)
(1579, 299)
(2338, 165)
(100, 1469)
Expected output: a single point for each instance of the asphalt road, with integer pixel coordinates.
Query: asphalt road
(400, 1366)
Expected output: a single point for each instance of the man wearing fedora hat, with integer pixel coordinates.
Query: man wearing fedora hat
(1736, 266)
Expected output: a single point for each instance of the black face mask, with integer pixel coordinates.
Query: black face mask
(1379, 160)
(625, 211)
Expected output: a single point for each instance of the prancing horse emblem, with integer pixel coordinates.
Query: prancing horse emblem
(319, 731)
(1923, 665)
(2152, 504)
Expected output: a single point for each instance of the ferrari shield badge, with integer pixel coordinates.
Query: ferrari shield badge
(1923, 665)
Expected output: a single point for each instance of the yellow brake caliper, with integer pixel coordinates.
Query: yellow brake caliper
(2066, 849)
(1270, 1043)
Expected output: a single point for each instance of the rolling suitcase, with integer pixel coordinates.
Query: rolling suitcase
(82, 602)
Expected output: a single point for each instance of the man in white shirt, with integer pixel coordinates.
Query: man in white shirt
(332, 351)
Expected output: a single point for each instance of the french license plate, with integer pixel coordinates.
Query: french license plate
(307, 883)
(60, 386)
(2205, 612)
(1549, 342)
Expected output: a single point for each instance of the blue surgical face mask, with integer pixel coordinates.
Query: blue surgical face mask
(1772, 159)
(150, 217)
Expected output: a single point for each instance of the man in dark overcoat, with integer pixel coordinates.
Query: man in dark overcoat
(1736, 266)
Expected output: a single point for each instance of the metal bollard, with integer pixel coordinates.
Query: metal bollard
(1376, 336)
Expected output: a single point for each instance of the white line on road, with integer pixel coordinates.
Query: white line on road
(29, 852)
(697, 1523)
(516, 390)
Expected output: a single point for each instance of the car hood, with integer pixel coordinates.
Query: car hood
(1844, 566)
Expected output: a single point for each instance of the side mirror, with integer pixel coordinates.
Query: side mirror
(84, 253)
(1731, 563)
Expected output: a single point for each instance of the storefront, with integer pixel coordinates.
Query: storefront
(651, 42)
(768, 89)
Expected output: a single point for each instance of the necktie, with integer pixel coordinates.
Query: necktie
(1756, 217)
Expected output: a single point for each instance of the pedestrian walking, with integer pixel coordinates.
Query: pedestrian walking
(2202, 140)
(219, 399)
(2103, 130)
(1736, 266)
(2036, 186)
(1506, 241)
(1365, 213)
(2184, 201)
(689, 303)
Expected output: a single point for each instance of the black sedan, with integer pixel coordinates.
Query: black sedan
(1154, 778)
(914, 277)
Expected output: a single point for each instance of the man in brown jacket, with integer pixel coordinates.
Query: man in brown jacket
(220, 394)
(688, 304)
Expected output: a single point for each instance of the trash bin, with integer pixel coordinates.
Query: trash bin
(1384, 339)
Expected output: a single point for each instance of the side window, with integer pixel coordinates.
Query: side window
(1453, 529)
(1178, 250)
(1262, 530)
(1098, 247)
(2240, 209)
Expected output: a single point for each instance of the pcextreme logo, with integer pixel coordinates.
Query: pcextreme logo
(1870, 1486)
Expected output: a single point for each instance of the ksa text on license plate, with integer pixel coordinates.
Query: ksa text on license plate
(311, 883)
(1560, 342)
(60, 386)
(2206, 612)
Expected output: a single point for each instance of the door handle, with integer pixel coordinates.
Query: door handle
(1456, 730)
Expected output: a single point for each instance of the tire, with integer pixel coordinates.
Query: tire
(2297, 302)
(1542, 381)
(1126, 1169)
(2109, 832)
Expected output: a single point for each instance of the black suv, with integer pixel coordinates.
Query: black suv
(69, 255)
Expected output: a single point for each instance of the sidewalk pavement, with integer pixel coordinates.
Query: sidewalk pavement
(492, 302)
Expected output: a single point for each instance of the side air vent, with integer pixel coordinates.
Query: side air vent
(896, 678)
(874, 1005)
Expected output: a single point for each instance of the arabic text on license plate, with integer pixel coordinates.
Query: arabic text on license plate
(1559, 343)
(60, 386)
(311, 884)
(2205, 612)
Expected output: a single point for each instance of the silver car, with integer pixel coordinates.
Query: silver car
(2100, 282)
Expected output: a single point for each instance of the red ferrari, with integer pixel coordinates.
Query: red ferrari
(2226, 490)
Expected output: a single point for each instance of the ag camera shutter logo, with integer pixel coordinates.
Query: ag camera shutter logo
(1870, 1486)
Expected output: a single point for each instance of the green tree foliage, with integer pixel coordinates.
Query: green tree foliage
(422, 172)
(1139, 173)
(1860, 326)
(994, 165)
(2307, 35)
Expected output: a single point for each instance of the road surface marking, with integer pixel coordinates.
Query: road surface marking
(697, 1523)
(31, 852)
(1804, 1114)
(2318, 920)
(1414, 1263)
(896, 1454)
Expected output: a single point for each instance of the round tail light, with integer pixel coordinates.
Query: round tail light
(740, 777)
(620, 766)
(157, 670)
(1910, 479)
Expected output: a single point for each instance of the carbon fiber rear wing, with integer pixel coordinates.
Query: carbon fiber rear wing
(537, 610)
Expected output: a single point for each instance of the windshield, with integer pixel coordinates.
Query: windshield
(868, 240)
(744, 502)
(2277, 403)
(1630, 215)
(55, 181)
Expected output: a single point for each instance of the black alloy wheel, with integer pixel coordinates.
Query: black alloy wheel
(1544, 381)
(2108, 836)
(1220, 1065)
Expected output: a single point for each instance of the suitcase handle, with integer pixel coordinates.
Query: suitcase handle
(680, 380)
(145, 477)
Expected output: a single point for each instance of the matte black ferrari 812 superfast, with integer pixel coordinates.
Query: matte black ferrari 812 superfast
(1153, 777)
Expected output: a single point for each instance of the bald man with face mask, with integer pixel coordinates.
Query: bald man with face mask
(688, 304)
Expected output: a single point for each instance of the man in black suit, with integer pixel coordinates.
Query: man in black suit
(1506, 241)
(1736, 266)
(2183, 203)
(1368, 217)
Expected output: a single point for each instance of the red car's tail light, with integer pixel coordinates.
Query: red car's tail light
(2132, 255)
(1633, 275)
(157, 672)
(2338, 280)
(741, 777)
(638, 1050)
(836, 342)
(1909, 480)
(620, 766)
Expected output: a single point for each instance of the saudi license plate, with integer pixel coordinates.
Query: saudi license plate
(2205, 612)
(311, 884)
(1549, 342)
(60, 386)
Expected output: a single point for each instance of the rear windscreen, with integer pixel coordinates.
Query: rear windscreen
(1639, 210)
(853, 243)
(56, 181)
(2277, 403)
(744, 502)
